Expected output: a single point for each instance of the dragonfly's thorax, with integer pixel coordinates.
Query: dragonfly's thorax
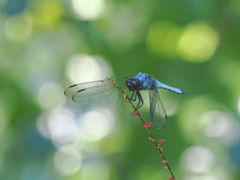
(141, 81)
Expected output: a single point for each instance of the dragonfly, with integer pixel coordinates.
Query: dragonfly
(106, 91)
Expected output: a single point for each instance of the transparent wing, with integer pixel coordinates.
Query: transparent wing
(71, 90)
(102, 91)
(157, 111)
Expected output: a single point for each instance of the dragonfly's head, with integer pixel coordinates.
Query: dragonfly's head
(133, 84)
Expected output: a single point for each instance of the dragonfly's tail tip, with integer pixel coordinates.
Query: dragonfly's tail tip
(183, 92)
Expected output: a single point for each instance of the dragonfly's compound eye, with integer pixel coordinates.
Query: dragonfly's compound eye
(132, 84)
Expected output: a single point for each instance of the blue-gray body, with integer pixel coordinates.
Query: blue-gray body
(150, 83)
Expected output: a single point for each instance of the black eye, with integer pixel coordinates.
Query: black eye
(134, 83)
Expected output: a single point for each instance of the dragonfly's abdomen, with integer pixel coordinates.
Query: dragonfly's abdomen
(170, 88)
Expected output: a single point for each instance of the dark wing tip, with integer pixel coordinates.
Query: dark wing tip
(66, 91)
(72, 86)
(69, 91)
(80, 90)
(74, 97)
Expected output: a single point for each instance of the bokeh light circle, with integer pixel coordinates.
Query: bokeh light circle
(198, 42)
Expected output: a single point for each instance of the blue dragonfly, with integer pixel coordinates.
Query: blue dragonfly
(104, 91)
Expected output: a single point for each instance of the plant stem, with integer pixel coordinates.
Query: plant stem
(148, 128)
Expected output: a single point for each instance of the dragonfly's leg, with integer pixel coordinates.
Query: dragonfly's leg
(140, 100)
(133, 96)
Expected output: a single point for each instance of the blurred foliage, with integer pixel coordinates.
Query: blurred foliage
(47, 45)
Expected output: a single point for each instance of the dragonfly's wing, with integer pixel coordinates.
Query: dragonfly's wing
(71, 90)
(101, 94)
(157, 111)
(102, 91)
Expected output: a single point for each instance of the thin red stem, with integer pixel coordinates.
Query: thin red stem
(148, 128)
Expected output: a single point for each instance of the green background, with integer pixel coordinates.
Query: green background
(47, 45)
